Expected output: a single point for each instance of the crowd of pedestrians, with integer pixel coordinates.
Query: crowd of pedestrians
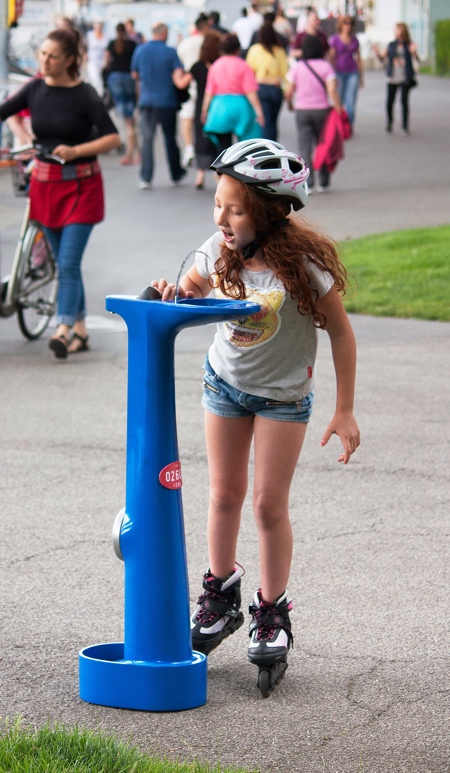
(217, 87)
(235, 82)
(234, 87)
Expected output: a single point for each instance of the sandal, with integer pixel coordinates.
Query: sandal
(58, 345)
(82, 344)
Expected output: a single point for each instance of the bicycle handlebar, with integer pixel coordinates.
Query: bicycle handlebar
(37, 149)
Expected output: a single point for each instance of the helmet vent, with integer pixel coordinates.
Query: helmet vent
(270, 163)
(268, 166)
(295, 167)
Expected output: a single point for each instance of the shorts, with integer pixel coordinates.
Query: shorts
(187, 109)
(222, 399)
(123, 93)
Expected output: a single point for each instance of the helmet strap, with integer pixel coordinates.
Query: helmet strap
(249, 250)
(280, 223)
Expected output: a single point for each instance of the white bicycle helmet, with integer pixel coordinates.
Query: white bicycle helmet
(267, 165)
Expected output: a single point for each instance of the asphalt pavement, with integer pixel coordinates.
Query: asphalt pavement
(367, 686)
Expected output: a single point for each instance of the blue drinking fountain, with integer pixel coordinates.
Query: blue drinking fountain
(154, 669)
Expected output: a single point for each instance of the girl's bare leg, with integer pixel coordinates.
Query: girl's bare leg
(132, 148)
(228, 444)
(277, 449)
(200, 178)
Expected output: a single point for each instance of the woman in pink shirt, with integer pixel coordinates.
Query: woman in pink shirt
(310, 91)
(231, 104)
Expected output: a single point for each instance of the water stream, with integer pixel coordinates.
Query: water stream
(177, 283)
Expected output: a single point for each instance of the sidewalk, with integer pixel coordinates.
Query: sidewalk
(367, 684)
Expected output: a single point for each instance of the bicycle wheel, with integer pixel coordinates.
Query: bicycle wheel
(37, 283)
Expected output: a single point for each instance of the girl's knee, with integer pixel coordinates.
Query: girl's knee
(226, 500)
(269, 512)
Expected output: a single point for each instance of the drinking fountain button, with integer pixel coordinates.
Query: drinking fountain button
(149, 294)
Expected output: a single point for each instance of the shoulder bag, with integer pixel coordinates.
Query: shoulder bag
(321, 80)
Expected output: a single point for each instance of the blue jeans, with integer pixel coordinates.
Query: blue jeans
(150, 118)
(68, 245)
(348, 85)
(271, 98)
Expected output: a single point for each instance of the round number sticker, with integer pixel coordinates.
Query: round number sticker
(170, 476)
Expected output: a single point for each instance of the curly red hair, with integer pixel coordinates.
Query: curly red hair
(286, 250)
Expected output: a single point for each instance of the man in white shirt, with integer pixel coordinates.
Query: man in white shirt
(256, 17)
(244, 28)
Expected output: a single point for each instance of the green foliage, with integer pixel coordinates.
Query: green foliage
(442, 43)
(400, 274)
(54, 749)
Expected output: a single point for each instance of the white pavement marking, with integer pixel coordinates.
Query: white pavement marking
(112, 323)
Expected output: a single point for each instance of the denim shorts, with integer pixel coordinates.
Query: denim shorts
(224, 400)
(123, 92)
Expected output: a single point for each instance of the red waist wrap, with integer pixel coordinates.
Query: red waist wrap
(66, 194)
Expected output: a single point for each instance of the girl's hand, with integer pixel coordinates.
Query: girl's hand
(344, 425)
(66, 152)
(167, 290)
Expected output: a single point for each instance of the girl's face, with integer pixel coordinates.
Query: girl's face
(230, 215)
(53, 62)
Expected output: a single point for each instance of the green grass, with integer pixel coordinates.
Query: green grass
(400, 274)
(54, 749)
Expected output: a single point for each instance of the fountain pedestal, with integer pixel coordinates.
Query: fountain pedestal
(154, 668)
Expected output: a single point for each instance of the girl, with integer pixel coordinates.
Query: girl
(69, 120)
(259, 377)
(118, 57)
(400, 74)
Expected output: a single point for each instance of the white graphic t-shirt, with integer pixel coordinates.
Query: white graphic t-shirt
(398, 74)
(272, 353)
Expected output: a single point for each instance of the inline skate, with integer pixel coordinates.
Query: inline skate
(217, 615)
(270, 640)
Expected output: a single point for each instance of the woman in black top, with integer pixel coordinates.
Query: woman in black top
(123, 87)
(69, 120)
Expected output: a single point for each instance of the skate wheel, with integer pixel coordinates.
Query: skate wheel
(265, 683)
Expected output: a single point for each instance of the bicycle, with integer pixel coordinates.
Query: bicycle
(31, 288)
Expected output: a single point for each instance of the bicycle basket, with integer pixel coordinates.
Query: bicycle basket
(20, 176)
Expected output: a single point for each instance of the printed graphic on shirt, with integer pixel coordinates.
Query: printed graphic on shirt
(261, 327)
